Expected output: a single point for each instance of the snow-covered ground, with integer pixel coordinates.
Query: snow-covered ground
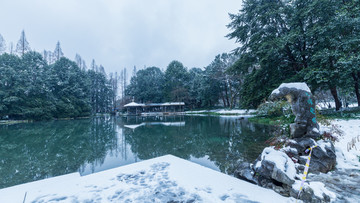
(162, 179)
(342, 183)
(325, 105)
(348, 145)
(224, 111)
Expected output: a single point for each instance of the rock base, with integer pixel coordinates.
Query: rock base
(276, 170)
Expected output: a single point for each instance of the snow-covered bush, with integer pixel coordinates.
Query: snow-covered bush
(275, 109)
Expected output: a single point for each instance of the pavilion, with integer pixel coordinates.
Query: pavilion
(134, 108)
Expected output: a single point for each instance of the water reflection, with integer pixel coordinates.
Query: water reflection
(222, 140)
(40, 150)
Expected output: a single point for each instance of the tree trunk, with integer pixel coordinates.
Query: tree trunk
(227, 95)
(336, 98)
(223, 98)
(356, 86)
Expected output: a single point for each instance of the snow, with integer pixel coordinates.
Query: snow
(226, 111)
(281, 160)
(133, 104)
(324, 105)
(155, 104)
(134, 126)
(323, 145)
(318, 188)
(347, 157)
(296, 85)
(161, 179)
(156, 123)
(173, 104)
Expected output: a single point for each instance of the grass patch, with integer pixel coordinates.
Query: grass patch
(272, 120)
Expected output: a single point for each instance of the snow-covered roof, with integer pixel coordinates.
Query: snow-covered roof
(173, 103)
(154, 104)
(133, 104)
(296, 85)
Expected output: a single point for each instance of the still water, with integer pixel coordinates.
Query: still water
(39, 150)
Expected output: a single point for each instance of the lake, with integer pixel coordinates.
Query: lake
(34, 151)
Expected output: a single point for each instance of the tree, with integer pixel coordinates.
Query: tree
(259, 28)
(287, 41)
(176, 78)
(58, 52)
(78, 60)
(2, 45)
(11, 48)
(114, 83)
(196, 87)
(147, 85)
(228, 83)
(23, 45)
(134, 71)
(93, 66)
(348, 20)
(11, 92)
(71, 88)
(48, 57)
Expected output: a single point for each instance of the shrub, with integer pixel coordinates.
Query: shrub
(275, 109)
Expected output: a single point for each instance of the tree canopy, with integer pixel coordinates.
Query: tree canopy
(286, 41)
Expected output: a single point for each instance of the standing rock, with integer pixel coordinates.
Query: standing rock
(303, 107)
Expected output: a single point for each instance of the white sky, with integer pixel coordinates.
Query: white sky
(123, 33)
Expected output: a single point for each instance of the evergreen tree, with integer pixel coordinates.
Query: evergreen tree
(147, 85)
(176, 78)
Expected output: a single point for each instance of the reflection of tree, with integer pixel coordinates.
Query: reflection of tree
(39, 150)
(224, 140)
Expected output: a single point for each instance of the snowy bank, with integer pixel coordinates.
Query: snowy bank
(161, 179)
(224, 112)
(348, 145)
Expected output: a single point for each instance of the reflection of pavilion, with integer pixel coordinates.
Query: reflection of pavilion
(154, 108)
(156, 123)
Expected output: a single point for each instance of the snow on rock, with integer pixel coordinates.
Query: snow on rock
(323, 145)
(163, 179)
(296, 85)
(276, 165)
(317, 188)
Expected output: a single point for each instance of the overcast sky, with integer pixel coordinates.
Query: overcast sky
(123, 33)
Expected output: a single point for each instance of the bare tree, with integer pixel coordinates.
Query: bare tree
(78, 61)
(122, 83)
(102, 70)
(134, 72)
(11, 48)
(2, 45)
(94, 67)
(22, 45)
(58, 52)
(125, 78)
(84, 67)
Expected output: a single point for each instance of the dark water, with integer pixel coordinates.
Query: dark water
(35, 151)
